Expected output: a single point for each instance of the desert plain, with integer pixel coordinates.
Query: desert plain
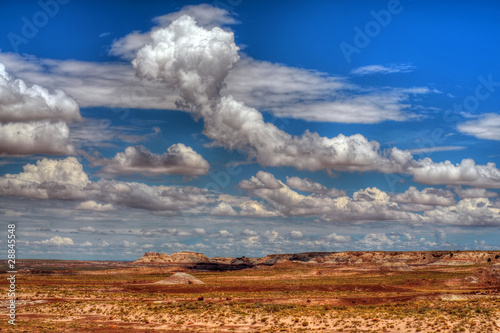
(439, 291)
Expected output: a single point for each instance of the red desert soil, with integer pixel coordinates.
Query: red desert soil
(318, 292)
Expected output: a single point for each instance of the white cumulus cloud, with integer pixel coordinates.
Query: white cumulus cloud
(178, 160)
(32, 120)
(58, 241)
(428, 196)
(95, 206)
(65, 179)
(466, 173)
(223, 209)
(18, 102)
(206, 15)
(36, 137)
(196, 61)
(468, 212)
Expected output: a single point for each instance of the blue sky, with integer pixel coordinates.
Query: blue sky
(324, 126)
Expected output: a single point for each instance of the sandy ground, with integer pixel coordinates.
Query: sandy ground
(296, 298)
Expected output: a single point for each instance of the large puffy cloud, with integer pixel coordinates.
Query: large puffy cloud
(18, 102)
(178, 160)
(153, 198)
(68, 172)
(66, 180)
(196, 61)
(372, 204)
(190, 58)
(486, 127)
(37, 137)
(466, 173)
(32, 120)
(265, 186)
(234, 125)
(223, 209)
(469, 212)
(114, 85)
(293, 92)
(206, 15)
(369, 204)
(428, 196)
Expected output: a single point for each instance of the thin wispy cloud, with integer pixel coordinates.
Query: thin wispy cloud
(383, 69)
(486, 126)
(435, 149)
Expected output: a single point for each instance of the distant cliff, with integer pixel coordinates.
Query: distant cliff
(437, 258)
(184, 257)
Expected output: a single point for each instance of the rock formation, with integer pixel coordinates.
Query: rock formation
(180, 278)
(183, 257)
(400, 261)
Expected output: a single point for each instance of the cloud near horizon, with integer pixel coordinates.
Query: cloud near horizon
(66, 180)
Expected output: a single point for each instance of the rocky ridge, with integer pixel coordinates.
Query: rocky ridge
(184, 257)
(392, 260)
